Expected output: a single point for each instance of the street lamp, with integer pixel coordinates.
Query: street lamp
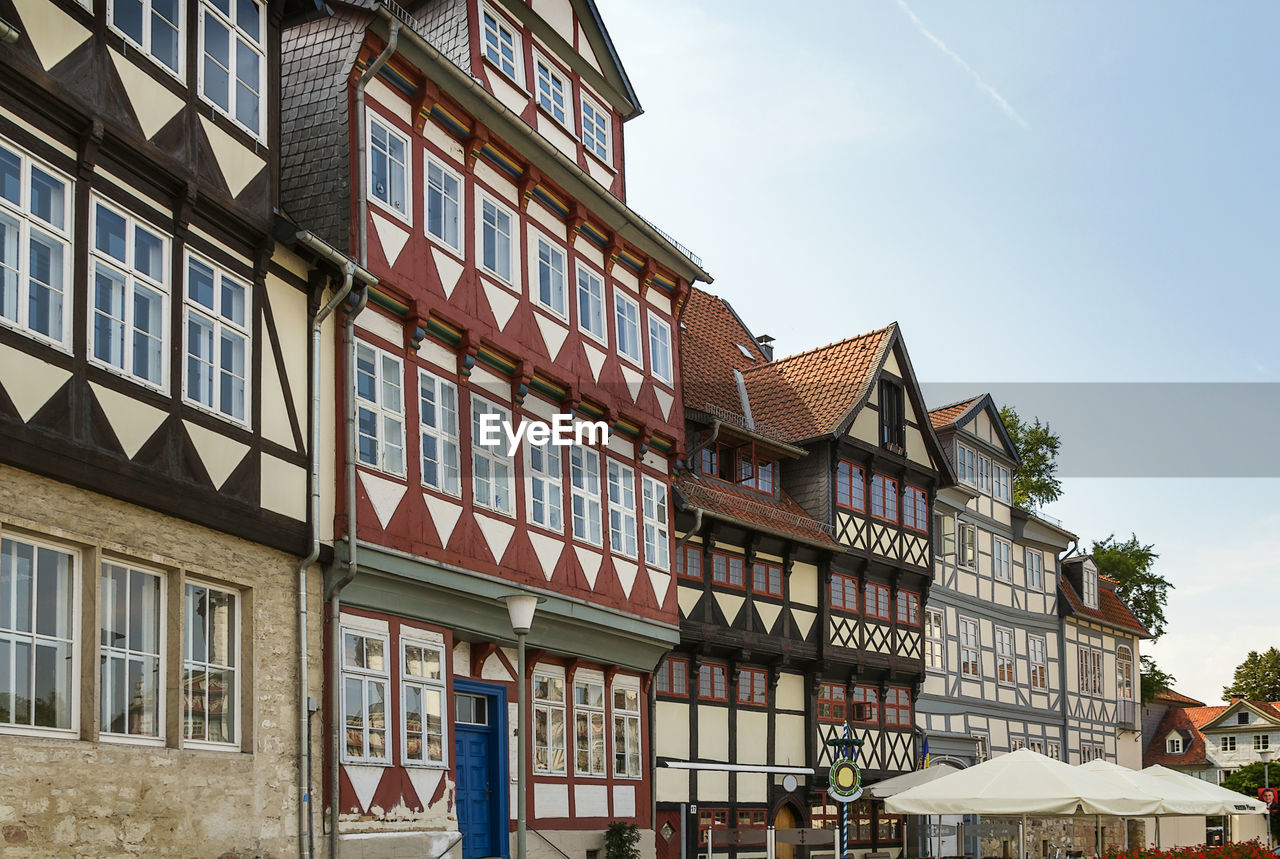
(1265, 756)
(520, 609)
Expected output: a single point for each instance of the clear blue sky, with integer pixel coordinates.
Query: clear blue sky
(1037, 192)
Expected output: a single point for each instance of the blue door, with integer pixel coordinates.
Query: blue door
(482, 799)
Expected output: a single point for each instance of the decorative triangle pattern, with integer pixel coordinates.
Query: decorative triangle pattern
(364, 781)
(553, 334)
(238, 164)
(496, 533)
(384, 495)
(133, 421)
(626, 574)
(53, 33)
(449, 270)
(595, 358)
(660, 582)
(590, 562)
(688, 599)
(548, 551)
(391, 237)
(28, 381)
(218, 454)
(501, 301)
(425, 782)
(444, 515)
(804, 621)
(768, 613)
(634, 381)
(664, 402)
(153, 103)
(730, 605)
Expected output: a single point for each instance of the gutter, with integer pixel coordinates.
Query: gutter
(631, 220)
(9, 34)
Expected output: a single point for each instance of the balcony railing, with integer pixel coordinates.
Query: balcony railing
(1127, 715)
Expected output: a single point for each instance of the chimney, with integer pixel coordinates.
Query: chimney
(765, 342)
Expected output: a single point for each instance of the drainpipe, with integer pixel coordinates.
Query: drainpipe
(9, 34)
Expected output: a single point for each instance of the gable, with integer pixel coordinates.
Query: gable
(1228, 718)
(982, 421)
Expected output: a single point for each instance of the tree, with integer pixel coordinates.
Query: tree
(1257, 678)
(1248, 779)
(1142, 589)
(1154, 681)
(1035, 481)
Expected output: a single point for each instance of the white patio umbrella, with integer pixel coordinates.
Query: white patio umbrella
(906, 781)
(1212, 798)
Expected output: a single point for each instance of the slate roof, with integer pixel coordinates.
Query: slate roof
(1111, 610)
(781, 515)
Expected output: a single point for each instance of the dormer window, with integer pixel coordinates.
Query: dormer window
(1090, 587)
(1173, 745)
(893, 423)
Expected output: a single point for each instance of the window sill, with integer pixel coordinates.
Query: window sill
(513, 81)
(127, 376)
(563, 125)
(499, 280)
(200, 407)
(457, 253)
(390, 210)
(602, 162)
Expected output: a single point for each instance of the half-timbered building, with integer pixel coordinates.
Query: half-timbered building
(470, 154)
(803, 563)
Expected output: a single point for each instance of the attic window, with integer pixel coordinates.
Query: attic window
(893, 424)
(1242, 718)
(1090, 587)
(1173, 745)
(745, 350)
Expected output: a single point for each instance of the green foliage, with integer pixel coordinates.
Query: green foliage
(1142, 589)
(1257, 678)
(622, 841)
(1035, 481)
(1154, 681)
(1249, 779)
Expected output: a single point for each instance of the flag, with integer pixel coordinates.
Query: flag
(924, 754)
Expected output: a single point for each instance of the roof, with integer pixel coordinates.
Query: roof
(715, 334)
(1266, 709)
(781, 515)
(1190, 723)
(947, 415)
(1111, 610)
(1177, 699)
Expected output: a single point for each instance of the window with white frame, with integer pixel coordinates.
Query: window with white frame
(1004, 656)
(444, 204)
(501, 43)
(1002, 559)
(379, 409)
(35, 246)
(966, 465)
(935, 645)
(234, 60)
(1228, 744)
(548, 723)
(660, 348)
(1124, 674)
(210, 669)
(1173, 745)
(1035, 569)
(626, 730)
(588, 727)
(38, 676)
(546, 486)
(1053, 750)
(968, 544)
(551, 266)
(389, 168)
(1037, 653)
(1089, 663)
(591, 304)
(1000, 487)
(495, 239)
(422, 702)
(438, 424)
(1261, 742)
(132, 618)
(1036, 746)
(130, 271)
(970, 666)
(984, 474)
(1090, 586)
(552, 91)
(657, 543)
(584, 478)
(595, 129)
(217, 317)
(492, 472)
(1092, 752)
(365, 677)
(153, 26)
(626, 315)
(622, 509)
(981, 747)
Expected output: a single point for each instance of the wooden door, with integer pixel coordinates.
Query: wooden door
(786, 819)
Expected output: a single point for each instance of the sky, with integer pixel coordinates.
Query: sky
(1038, 193)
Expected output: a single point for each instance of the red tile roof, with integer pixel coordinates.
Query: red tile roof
(781, 515)
(709, 353)
(1190, 722)
(1177, 699)
(941, 417)
(1111, 609)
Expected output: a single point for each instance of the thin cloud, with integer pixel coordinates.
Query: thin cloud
(977, 78)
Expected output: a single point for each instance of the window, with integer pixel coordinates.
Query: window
(850, 491)
(673, 677)
(1004, 656)
(552, 89)
(934, 643)
(1242, 718)
(626, 316)
(969, 645)
(709, 818)
(35, 246)
(422, 702)
(1053, 750)
(915, 509)
(984, 474)
(1173, 745)
(38, 680)
(893, 421)
(438, 423)
(545, 482)
(844, 593)
(727, 570)
(657, 542)
(591, 304)
(660, 349)
(495, 240)
(1036, 746)
(548, 723)
(753, 687)
(1090, 586)
(217, 339)
(501, 46)
(689, 562)
(388, 168)
(379, 409)
(595, 129)
(1000, 488)
(364, 695)
(865, 705)
(1228, 744)
(233, 70)
(968, 545)
(966, 465)
(884, 498)
(1124, 674)
(877, 601)
(944, 534)
(154, 26)
(1035, 569)
(1037, 651)
(470, 709)
(831, 706)
(908, 608)
(753, 818)
(492, 473)
(210, 675)
(1002, 559)
(1092, 752)
(712, 682)
(550, 292)
(754, 470)
(132, 627)
(766, 579)
(130, 264)
(897, 707)
(1261, 742)
(982, 747)
(1090, 665)
(584, 478)
(444, 204)
(588, 727)
(622, 509)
